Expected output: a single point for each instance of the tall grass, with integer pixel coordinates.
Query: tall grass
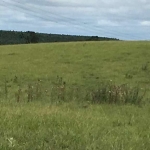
(59, 91)
(118, 94)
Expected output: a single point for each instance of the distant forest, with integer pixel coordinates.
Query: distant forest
(15, 37)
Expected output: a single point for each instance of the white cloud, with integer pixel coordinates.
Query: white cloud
(145, 23)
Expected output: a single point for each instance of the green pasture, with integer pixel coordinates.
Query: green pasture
(38, 113)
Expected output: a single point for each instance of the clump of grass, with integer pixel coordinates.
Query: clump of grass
(117, 94)
(38, 90)
(105, 92)
(18, 95)
(6, 88)
(15, 79)
(145, 66)
(133, 95)
(61, 91)
(128, 75)
(30, 93)
(60, 87)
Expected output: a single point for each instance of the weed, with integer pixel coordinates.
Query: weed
(61, 91)
(128, 75)
(6, 88)
(133, 95)
(11, 142)
(38, 90)
(105, 92)
(30, 93)
(108, 93)
(18, 95)
(145, 66)
(15, 80)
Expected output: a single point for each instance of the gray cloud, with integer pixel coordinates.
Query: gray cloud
(113, 18)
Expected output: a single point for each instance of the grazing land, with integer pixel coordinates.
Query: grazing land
(75, 96)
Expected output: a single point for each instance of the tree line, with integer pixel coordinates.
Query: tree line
(19, 37)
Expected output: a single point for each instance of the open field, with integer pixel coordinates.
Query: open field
(36, 112)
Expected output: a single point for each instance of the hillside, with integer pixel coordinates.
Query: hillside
(79, 62)
(75, 95)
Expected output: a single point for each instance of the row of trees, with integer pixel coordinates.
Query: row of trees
(15, 37)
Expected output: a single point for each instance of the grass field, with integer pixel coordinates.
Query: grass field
(47, 90)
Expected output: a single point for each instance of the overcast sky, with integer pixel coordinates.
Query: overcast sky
(123, 19)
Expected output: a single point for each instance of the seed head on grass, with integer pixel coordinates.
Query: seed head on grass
(18, 95)
(12, 142)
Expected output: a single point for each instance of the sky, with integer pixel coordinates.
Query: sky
(122, 19)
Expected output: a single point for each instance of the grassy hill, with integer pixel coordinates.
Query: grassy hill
(80, 62)
(37, 112)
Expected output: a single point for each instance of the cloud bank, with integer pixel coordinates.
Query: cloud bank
(128, 20)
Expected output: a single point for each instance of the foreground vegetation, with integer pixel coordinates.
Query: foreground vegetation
(87, 95)
(71, 126)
